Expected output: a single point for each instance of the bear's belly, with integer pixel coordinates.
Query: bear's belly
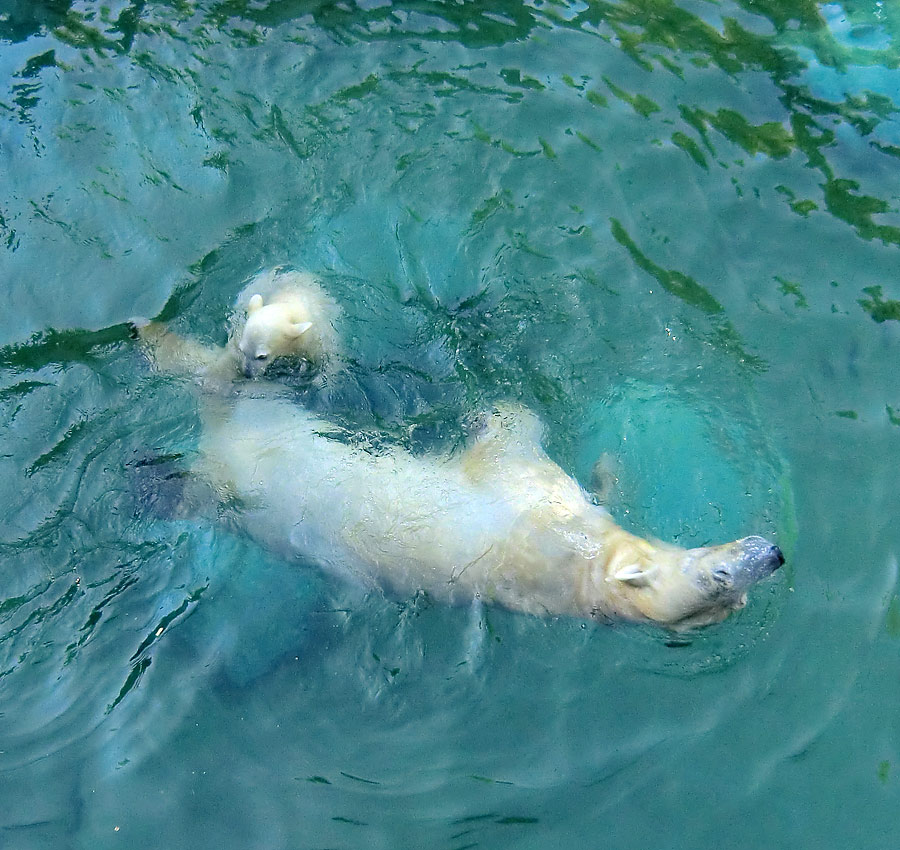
(393, 519)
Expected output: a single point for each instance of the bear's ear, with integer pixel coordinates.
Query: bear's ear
(299, 328)
(254, 304)
(635, 575)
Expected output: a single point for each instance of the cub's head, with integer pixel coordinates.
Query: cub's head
(269, 333)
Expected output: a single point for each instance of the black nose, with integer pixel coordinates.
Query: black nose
(778, 556)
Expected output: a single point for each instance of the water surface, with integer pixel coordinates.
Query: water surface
(670, 228)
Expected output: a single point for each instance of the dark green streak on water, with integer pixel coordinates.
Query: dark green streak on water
(691, 148)
(21, 389)
(723, 335)
(360, 779)
(350, 821)
(879, 308)
(93, 620)
(160, 628)
(9, 606)
(62, 448)
(678, 284)
(790, 288)
(771, 138)
(642, 105)
(843, 202)
(280, 129)
(62, 348)
(134, 678)
(43, 613)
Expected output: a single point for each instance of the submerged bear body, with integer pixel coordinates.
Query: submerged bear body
(499, 522)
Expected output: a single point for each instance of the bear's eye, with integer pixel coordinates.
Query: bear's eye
(262, 356)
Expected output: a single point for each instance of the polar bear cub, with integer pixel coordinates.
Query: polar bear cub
(288, 314)
(280, 313)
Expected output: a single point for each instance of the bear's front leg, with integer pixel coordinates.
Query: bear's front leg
(175, 355)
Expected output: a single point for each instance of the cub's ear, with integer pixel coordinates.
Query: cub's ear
(254, 304)
(299, 328)
(634, 575)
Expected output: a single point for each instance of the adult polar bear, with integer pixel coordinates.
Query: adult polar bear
(499, 522)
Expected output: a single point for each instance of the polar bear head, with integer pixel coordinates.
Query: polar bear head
(271, 331)
(681, 588)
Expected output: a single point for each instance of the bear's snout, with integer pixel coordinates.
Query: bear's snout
(777, 556)
(761, 557)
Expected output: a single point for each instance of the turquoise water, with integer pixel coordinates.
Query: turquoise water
(670, 228)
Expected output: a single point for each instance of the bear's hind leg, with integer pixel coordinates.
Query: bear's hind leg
(164, 489)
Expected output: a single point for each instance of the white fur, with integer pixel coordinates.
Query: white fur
(279, 313)
(499, 522)
(288, 314)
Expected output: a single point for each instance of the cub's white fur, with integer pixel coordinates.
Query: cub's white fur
(279, 313)
(288, 314)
